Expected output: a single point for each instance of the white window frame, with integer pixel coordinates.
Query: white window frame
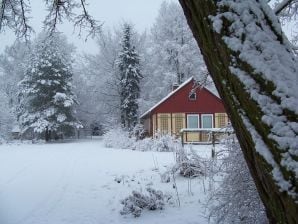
(207, 115)
(193, 115)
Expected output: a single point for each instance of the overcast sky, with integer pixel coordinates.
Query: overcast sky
(141, 13)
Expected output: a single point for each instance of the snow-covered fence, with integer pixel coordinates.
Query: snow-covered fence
(83, 133)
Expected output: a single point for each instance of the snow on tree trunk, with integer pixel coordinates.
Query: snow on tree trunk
(256, 74)
(128, 64)
(47, 99)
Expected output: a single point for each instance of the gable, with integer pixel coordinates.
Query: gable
(178, 101)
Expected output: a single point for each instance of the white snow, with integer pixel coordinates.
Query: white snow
(61, 117)
(74, 183)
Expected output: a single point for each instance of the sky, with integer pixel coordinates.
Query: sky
(111, 13)
(141, 13)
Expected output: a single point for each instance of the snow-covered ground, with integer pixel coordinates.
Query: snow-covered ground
(74, 183)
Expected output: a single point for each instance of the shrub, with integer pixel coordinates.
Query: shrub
(236, 199)
(137, 202)
(187, 165)
(118, 138)
(165, 143)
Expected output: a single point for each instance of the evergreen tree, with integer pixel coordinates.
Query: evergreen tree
(47, 99)
(128, 64)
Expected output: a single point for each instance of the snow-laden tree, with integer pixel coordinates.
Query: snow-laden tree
(173, 53)
(107, 73)
(47, 98)
(99, 78)
(13, 64)
(12, 68)
(174, 46)
(255, 72)
(235, 199)
(87, 77)
(6, 115)
(129, 72)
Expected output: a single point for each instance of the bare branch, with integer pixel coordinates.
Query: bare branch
(286, 9)
(13, 14)
(86, 21)
(281, 6)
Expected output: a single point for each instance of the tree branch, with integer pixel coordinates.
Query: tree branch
(281, 6)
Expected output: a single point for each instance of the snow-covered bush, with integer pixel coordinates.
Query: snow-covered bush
(187, 165)
(138, 131)
(118, 138)
(236, 200)
(145, 144)
(190, 165)
(136, 202)
(165, 143)
(161, 143)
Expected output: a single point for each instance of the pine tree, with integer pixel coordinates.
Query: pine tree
(128, 64)
(47, 99)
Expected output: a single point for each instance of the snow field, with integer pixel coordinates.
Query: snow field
(77, 183)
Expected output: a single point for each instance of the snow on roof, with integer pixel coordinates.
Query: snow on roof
(167, 97)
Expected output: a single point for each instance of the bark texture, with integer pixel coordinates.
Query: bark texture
(280, 206)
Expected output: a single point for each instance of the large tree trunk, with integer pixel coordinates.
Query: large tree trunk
(246, 112)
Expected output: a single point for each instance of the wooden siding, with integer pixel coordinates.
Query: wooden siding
(154, 125)
(172, 123)
(170, 116)
(206, 102)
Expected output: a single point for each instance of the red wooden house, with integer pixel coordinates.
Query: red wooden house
(188, 108)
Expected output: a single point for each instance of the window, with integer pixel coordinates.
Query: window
(192, 121)
(178, 123)
(207, 120)
(221, 120)
(192, 96)
(164, 124)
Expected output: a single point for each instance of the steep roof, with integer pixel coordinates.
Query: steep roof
(185, 83)
(167, 97)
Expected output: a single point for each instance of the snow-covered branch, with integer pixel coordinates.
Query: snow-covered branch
(15, 15)
(283, 5)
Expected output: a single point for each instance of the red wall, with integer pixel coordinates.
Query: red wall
(179, 102)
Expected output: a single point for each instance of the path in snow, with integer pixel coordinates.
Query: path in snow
(74, 183)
